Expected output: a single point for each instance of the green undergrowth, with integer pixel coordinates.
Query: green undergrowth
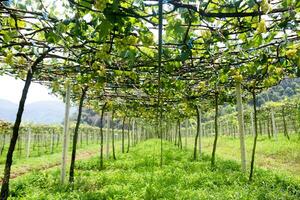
(138, 175)
(29, 164)
(281, 155)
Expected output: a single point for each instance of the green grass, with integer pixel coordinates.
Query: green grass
(23, 165)
(282, 155)
(137, 175)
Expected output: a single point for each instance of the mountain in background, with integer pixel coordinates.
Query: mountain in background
(285, 89)
(43, 112)
(8, 110)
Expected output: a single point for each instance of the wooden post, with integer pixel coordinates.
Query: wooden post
(81, 138)
(3, 143)
(20, 145)
(133, 132)
(186, 133)
(38, 144)
(52, 141)
(28, 143)
(274, 124)
(252, 123)
(57, 139)
(113, 135)
(66, 134)
(211, 128)
(107, 135)
(138, 132)
(200, 133)
(241, 126)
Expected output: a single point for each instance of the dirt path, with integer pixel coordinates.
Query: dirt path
(27, 169)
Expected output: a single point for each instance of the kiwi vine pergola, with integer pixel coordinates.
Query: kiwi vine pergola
(154, 54)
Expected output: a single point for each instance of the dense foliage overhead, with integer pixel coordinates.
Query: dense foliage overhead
(109, 48)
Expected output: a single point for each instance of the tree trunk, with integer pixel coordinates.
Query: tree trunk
(13, 141)
(271, 126)
(128, 134)
(123, 135)
(255, 135)
(268, 127)
(241, 126)
(66, 136)
(75, 136)
(176, 133)
(179, 136)
(113, 135)
(213, 155)
(285, 131)
(198, 134)
(101, 135)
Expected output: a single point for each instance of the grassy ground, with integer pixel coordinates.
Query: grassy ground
(35, 153)
(24, 165)
(282, 155)
(137, 175)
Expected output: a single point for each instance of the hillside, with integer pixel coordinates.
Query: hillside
(285, 89)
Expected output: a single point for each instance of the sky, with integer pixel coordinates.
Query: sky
(11, 89)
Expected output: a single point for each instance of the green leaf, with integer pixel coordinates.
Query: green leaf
(51, 37)
(104, 29)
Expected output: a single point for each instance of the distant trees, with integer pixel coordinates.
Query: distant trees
(286, 88)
